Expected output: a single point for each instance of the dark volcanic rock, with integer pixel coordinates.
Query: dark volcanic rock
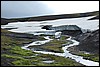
(47, 27)
(81, 37)
(72, 30)
(90, 42)
(94, 18)
(4, 21)
(62, 27)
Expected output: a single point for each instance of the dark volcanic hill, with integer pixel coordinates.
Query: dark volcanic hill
(51, 17)
(89, 42)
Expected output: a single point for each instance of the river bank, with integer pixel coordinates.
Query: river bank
(13, 55)
(88, 46)
(86, 55)
(54, 45)
(65, 54)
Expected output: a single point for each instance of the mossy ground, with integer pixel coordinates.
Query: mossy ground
(13, 55)
(55, 44)
(93, 57)
(90, 56)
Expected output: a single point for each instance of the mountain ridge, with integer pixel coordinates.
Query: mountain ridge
(52, 17)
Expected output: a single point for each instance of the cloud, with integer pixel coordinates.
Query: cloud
(66, 7)
(39, 8)
(24, 8)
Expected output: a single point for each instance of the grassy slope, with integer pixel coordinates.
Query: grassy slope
(13, 55)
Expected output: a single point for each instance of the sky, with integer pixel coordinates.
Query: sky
(17, 9)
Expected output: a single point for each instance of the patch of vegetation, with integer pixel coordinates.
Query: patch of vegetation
(89, 56)
(63, 37)
(8, 40)
(19, 60)
(59, 61)
(13, 55)
(23, 63)
(18, 50)
(9, 47)
(41, 38)
(55, 44)
(92, 57)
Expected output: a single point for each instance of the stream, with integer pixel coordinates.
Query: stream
(35, 29)
(66, 52)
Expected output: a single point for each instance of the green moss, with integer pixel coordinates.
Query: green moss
(5, 41)
(95, 58)
(55, 45)
(37, 61)
(13, 57)
(57, 42)
(92, 57)
(18, 50)
(58, 61)
(25, 62)
(21, 57)
(41, 38)
(63, 37)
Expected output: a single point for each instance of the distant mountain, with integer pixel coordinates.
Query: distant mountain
(6, 21)
(51, 17)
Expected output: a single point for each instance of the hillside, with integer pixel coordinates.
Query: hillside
(12, 54)
(51, 17)
(90, 43)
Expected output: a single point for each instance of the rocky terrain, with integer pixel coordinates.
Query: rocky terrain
(72, 30)
(89, 42)
(88, 46)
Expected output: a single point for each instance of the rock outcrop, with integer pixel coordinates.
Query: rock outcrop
(89, 42)
(72, 30)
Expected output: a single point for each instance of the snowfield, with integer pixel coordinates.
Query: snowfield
(35, 27)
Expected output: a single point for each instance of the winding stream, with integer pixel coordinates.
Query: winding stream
(66, 52)
(35, 28)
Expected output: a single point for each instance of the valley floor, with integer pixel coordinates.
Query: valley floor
(13, 55)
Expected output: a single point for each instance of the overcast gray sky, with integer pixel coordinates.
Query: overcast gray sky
(24, 8)
(12, 9)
